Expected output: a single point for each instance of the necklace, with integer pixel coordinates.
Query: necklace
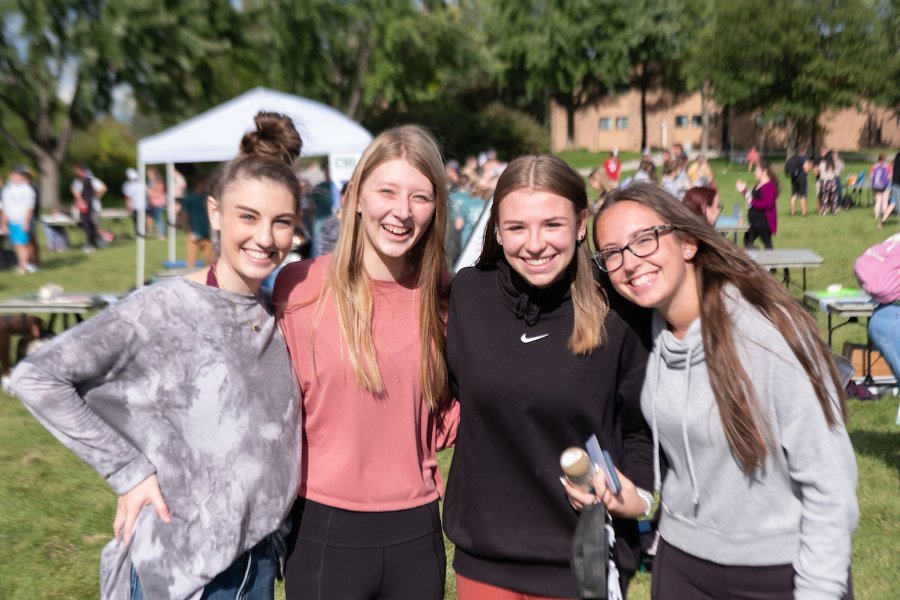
(213, 281)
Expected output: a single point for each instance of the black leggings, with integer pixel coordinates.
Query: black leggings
(334, 553)
(678, 575)
(759, 228)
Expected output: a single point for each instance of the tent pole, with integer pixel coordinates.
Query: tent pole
(170, 208)
(140, 227)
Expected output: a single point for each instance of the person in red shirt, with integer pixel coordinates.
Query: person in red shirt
(613, 167)
(365, 330)
(753, 158)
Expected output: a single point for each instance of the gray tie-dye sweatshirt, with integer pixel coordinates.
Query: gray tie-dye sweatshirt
(175, 380)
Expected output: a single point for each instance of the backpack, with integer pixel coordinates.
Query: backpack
(791, 168)
(880, 177)
(878, 271)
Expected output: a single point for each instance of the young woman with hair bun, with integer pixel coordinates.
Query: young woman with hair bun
(182, 397)
(365, 328)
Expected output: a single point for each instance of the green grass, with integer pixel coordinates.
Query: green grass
(582, 159)
(56, 514)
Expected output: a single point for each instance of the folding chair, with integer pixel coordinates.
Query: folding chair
(855, 190)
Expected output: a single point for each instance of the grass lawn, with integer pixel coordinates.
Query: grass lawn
(56, 514)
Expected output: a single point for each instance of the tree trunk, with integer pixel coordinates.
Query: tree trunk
(644, 85)
(354, 105)
(813, 133)
(726, 120)
(704, 116)
(570, 124)
(49, 184)
(792, 137)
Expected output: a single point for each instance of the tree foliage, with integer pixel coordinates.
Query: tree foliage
(52, 68)
(882, 71)
(61, 59)
(571, 51)
(788, 60)
(365, 55)
(464, 64)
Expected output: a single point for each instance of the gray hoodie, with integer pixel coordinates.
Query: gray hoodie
(799, 509)
(192, 383)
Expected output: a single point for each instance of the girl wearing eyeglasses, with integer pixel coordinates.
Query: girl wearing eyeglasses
(759, 499)
(539, 363)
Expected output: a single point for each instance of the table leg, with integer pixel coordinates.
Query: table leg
(830, 330)
(868, 380)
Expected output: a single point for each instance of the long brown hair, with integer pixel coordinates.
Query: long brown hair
(717, 264)
(349, 286)
(551, 174)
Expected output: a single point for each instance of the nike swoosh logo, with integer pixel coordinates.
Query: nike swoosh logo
(527, 340)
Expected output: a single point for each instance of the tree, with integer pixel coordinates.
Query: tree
(571, 51)
(178, 57)
(880, 68)
(697, 34)
(788, 60)
(52, 79)
(659, 51)
(363, 56)
(61, 59)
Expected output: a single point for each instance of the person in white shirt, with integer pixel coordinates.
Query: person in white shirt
(135, 193)
(18, 201)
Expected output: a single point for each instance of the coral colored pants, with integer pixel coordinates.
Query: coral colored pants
(469, 589)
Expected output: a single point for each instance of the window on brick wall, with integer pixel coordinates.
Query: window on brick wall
(621, 122)
(605, 123)
(698, 121)
(681, 121)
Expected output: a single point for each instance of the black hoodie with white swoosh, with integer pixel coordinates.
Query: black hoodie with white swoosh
(524, 398)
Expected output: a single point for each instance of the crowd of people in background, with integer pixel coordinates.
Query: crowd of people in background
(471, 185)
(321, 463)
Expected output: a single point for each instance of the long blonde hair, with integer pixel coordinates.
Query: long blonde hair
(551, 174)
(349, 286)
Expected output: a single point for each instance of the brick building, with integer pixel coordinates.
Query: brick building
(616, 123)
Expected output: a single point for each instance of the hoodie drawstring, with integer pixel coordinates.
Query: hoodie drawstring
(654, 426)
(684, 431)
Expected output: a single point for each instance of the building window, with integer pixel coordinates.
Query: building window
(681, 121)
(621, 122)
(698, 121)
(605, 123)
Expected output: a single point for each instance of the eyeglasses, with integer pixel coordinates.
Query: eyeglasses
(644, 243)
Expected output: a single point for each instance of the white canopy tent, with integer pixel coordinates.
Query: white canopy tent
(214, 136)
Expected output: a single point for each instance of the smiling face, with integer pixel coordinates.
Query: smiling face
(396, 205)
(665, 279)
(538, 231)
(255, 221)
